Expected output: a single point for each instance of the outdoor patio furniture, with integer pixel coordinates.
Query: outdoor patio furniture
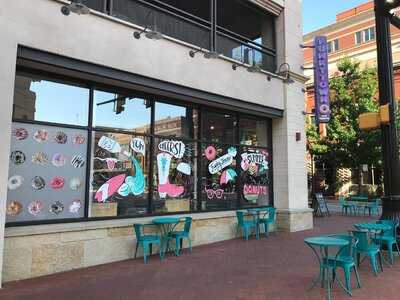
(166, 226)
(246, 225)
(327, 263)
(372, 207)
(345, 259)
(367, 248)
(268, 218)
(146, 241)
(184, 234)
(388, 238)
(347, 205)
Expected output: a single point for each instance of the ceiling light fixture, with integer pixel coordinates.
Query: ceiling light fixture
(76, 6)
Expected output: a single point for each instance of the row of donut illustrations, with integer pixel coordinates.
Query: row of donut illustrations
(35, 207)
(125, 185)
(38, 183)
(252, 162)
(58, 160)
(42, 135)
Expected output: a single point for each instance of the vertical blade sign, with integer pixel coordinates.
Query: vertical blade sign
(321, 80)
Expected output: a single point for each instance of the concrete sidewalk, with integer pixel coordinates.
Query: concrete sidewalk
(280, 267)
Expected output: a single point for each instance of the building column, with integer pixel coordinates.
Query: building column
(7, 77)
(289, 155)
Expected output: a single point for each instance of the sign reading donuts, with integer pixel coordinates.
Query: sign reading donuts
(321, 80)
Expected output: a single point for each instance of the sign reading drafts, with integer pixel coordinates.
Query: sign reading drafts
(321, 80)
(175, 148)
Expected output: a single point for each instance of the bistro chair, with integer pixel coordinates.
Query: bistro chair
(184, 234)
(345, 259)
(388, 238)
(245, 225)
(367, 248)
(346, 205)
(372, 207)
(268, 218)
(146, 241)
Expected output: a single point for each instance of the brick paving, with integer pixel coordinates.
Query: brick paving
(280, 267)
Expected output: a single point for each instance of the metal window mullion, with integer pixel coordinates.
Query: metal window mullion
(151, 164)
(89, 153)
(199, 159)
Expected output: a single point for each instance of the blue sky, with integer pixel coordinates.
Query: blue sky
(319, 13)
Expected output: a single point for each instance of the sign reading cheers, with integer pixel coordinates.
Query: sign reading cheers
(321, 80)
(175, 148)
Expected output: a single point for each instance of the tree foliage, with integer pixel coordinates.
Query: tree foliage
(353, 92)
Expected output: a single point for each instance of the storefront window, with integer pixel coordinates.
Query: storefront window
(129, 112)
(219, 177)
(219, 127)
(175, 173)
(39, 99)
(253, 132)
(47, 173)
(254, 177)
(119, 179)
(176, 121)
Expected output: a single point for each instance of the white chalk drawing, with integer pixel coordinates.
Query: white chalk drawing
(138, 145)
(175, 148)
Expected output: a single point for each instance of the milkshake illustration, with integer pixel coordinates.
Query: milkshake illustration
(163, 165)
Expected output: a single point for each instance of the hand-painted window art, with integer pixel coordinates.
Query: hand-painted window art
(41, 182)
(254, 175)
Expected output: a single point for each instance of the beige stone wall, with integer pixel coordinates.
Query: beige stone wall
(27, 256)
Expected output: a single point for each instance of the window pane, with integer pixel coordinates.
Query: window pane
(130, 112)
(329, 47)
(366, 35)
(175, 177)
(253, 132)
(336, 45)
(119, 176)
(218, 127)
(39, 99)
(372, 33)
(254, 167)
(47, 170)
(172, 120)
(247, 20)
(219, 177)
(358, 37)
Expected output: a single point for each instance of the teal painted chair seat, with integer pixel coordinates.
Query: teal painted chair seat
(145, 241)
(179, 236)
(267, 219)
(245, 225)
(388, 238)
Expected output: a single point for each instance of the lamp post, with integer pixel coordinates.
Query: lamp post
(390, 145)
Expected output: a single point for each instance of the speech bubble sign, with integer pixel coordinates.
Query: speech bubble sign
(109, 144)
(138, 145)
(175, 148)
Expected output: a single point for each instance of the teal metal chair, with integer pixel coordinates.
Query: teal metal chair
(146, 241)
(184, 234)
(346, 205)
(245, 225)
(372, 207)
(388, 238)
(345, 260)
(268, 218)
(369, 249)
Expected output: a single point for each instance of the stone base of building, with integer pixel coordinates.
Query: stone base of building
(33, 251)
(295, 220)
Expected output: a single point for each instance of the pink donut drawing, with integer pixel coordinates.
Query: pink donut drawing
(210, 152)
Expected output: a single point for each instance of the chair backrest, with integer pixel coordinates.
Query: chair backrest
(393, 226)
(239, 215)
(362, 237)
(272, 214)
(349, 250)
(138, 231)
(342, 200)
(188, 224)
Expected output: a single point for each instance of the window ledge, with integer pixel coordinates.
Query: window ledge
(95, 225)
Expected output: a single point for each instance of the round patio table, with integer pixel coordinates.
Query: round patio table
(320, 246)
(166, 226)
(374, 229)
(256, 214)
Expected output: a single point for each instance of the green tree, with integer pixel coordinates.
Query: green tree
(353, 92)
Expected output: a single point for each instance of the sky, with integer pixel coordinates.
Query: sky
(319, 13)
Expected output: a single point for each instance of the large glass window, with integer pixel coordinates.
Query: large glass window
(253, 132)
(119, 177)
(219, 127)
(115, 110)
(40, 99)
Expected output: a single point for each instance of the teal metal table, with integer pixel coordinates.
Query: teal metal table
(320, 246)
(166, 225)
(256, 214)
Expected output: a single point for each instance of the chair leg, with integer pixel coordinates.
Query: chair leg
(145, 252)
(357, 277)
(347, 279)
(177, 248)
(266, 229)
(246, 233)
(397, 248)
(137, 246)
(390, 250)
(380, 260)
(374, 264)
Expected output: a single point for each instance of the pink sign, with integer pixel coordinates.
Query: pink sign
(254, 189)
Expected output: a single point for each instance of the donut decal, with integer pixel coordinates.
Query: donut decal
(40, 158)
(20, 134)
(56, 208)
(38, 183)
(57, 182)
(78, 139)
(14, 208)
(58, 160)
(35, 207)
(17, 157)
(14, 182)
(77, 161)
(41, 136)
(61, 137)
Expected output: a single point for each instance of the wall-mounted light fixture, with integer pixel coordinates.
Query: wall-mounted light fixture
(285, 73)
(76, 7)
(150, 31)
(207, 55)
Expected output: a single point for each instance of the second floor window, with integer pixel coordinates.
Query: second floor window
(364, 36)
(333, 46)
